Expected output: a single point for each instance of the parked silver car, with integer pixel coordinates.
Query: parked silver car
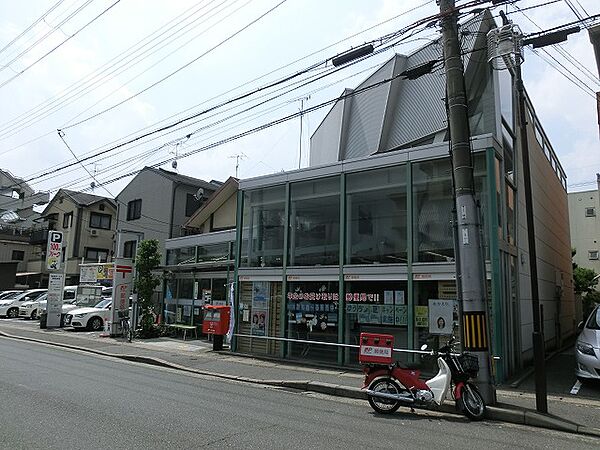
(587, 348)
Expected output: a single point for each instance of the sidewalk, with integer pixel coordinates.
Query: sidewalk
(567, 413)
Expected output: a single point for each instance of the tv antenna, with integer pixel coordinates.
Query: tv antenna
(238, 156)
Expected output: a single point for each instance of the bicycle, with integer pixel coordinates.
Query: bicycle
(125, 324)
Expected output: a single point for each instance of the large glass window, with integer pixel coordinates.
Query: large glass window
(312, 310)
(179, 256)
(213, 252)
(436, 315)
(315, 222)
(263, 227)
(376, 307)
(434, 204)
(376, 211)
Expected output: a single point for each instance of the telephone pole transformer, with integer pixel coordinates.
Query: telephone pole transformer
(470, 265)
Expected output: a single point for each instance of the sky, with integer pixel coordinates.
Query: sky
(106, 71)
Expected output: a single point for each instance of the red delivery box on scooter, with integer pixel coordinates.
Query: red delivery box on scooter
(376, 348)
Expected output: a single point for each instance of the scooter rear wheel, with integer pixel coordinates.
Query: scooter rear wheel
(471, 402)
(384, 405)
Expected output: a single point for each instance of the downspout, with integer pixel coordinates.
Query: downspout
(77, 240)
(177, 184)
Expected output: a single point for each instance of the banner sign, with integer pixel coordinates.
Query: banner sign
(122, 287)
(54, 250)
(56, 284)
(92, 273)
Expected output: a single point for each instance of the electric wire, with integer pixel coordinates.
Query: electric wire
(45, 55)
(420, 23)
(179, 69)
(30, 27)
(99, 77)
(69, 17)
(238, 87)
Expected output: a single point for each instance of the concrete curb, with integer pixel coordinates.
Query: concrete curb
(516, 416)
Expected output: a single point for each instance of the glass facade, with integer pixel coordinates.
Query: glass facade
(376, 216)
(314, 222)
(375, 307)
(313, 315)
(383, 208)
(263, 227)
(214, 252)
(179, 256)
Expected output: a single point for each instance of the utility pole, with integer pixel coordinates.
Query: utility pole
(470, 266)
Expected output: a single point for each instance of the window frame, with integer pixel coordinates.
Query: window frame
(101, 216)
(97, 250)
(593, 255)
(21, 252)
(67, 220)
(590, 211)
(134, 209)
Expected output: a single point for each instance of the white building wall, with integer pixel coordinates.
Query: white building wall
(585, 229)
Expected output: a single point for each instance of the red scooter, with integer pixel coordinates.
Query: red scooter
(391, 386)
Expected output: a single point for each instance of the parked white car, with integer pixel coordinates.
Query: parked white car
(9, 294)
(29, 310)
(587, 348)
(90, 318)
(9, 307)
(33, 308)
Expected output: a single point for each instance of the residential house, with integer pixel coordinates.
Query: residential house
(17, 219)
(155, 205)
(88, 223)
(199, 266)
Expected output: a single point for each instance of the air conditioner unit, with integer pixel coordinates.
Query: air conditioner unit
(93, 232)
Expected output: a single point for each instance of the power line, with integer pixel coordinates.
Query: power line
(405, 30)
(147, 88)
(30, 27)
(93, 80)
(235, 88)
(73, 14)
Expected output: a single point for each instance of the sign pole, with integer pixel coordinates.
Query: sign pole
(56, 280)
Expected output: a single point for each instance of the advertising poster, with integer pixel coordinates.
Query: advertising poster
(441, 316)
(421, 316)
(260, 318)
(388, 297)
(260, 308)
(387, 314)
(399, 298)
(401, 315)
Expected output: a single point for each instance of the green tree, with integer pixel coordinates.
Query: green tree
(584, 279)
(147, 259)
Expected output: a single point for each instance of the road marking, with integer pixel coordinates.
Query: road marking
(575, 388)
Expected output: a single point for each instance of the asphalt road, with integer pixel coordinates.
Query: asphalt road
(54, 398)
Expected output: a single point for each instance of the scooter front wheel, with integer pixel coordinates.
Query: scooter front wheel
(471, 402)
(386, 386)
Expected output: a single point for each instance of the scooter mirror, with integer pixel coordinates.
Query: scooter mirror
(424, 347)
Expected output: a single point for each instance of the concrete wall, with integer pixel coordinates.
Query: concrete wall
(553, 247)
(585, 231)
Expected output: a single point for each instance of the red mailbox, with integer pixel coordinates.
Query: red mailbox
(376, 348)
(216, 320)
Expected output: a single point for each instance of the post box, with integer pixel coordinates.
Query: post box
(376, 348)
(216, 320)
